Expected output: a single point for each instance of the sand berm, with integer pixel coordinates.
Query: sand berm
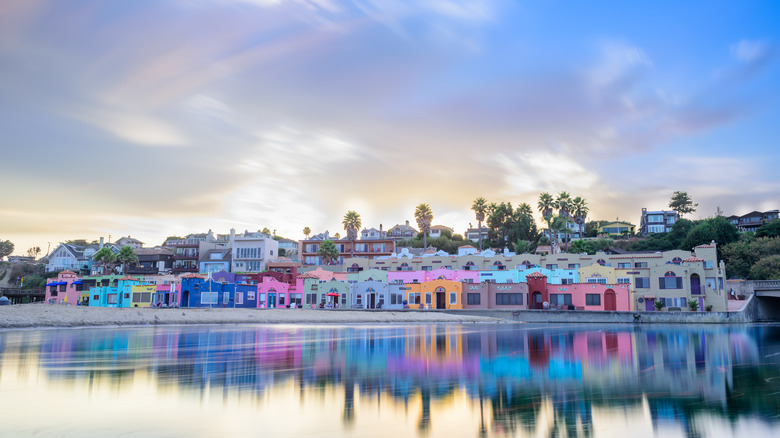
(49, 315)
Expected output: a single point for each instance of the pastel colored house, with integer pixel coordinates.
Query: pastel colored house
(246, 296)
(507, 276)
(142, 295)
(436, 294)
(591, 296)
(115, 294)
(370, 294)
(504, 296)
(66, 289)
(272, 294)
(197, 292)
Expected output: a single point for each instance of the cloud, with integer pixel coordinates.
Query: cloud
(749, 51)
(138, 129)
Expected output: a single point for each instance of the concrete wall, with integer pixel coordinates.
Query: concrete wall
(579, 316)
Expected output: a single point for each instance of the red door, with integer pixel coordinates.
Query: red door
(610, 302)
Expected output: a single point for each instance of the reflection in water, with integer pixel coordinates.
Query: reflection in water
(426, 380)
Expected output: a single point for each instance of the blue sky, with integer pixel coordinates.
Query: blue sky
(153, 118)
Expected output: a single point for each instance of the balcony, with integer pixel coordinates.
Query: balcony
(140, 270)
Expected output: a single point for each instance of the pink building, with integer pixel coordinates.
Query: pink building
(66, 290)
(590, 296)
(408, 277)
(272, 294)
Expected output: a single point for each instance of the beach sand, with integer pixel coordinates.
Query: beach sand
(48, 315)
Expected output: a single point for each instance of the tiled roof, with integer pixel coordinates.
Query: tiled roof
(536, 274)
(705, 246)
(693, 259)
(129, 278)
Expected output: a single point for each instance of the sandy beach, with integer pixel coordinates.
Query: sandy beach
(46, 315)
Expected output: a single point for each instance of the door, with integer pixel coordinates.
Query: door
(371, 301)
(536, 299)
(185, 299)
(441, 300)
(271, 301)
(695, 285)
(649, 305)
(609, 300)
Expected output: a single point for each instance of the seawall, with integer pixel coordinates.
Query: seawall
(749, 313)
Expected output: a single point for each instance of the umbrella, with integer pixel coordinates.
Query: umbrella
(332, 294)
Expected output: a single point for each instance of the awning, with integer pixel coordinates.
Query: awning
(77, 282)
(52, 284)
(648, 297)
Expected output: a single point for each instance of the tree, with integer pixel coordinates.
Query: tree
(769, 229)
(306, 232)
(767, 268)
(582, 246)
(742, 255)
(126, 257)
(523, 246)
(579, 209)
(682, 203)
(424, 217)
(499, 221)
(523, 226)
(77, 242)
(718, 229)
(337, 236)
(660, 304)
(479, 207)
(693, 305)
(351, 224)
(560, 224)
(328, 252)
(564, 203)
(266, 231)
(282, 252)
(679, 232)
(34, 252)
(106, 259)
(546, 205)
(6, 248)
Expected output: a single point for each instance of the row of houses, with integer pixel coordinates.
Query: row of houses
(436, 281)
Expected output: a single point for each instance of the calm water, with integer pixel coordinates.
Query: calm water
(391, 381)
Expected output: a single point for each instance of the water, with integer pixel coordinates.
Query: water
(391, 381)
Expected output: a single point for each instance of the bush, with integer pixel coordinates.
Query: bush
(693, 305)
(660, 304)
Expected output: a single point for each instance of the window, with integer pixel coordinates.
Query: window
(250, 296)
(624, 266)
(311, 298)
(574, 266)
(720, 283)
(624, 280)
(453, 298)
(239, 298)
(111, 298)
(597, 280)
(592, 299)
(225, 298)
(426, 268)
(127, 296)
(642, 282)
(551, 266)
(708, 264)
(560, 299)
(428, 298)
(656, 228)
(414, 298)
(208, 297)
(262, 299)
(675, 302)
(473, 299)
(295, 299)
(670, 282)
(567, 281)
(504, 299)
(281, 299)
(315, 286)
(640, 264)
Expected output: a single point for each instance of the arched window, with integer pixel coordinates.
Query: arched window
(677, 260)
(601, 262)
(670, 274)
(440, 289)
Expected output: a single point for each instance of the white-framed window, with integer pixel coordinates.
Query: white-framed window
(250, 295)
(598, 280)
(208, 297)
(225, 298)
(239, 298)
(111, 298)
(453, 298)
(261, 297)
(624, 280)
(428, 299)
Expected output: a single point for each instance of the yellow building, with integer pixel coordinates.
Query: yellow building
(142, 295)
(436, 294)
(617, 228)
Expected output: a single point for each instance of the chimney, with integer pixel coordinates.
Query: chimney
(101, 243)
(407, 222)
(380, 228)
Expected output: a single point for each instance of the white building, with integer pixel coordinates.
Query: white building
(252, 251)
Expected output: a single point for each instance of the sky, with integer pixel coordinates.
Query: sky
(158, 118)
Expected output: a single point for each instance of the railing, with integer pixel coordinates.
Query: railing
(766, 284)
(141, 270)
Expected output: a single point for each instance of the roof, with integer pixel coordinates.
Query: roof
(129, 278)
(153, 251)
(441, 227)
(307, 275)
(193, 275)
(536, 274)
(705, 246)
(467, 246)
(693, 259)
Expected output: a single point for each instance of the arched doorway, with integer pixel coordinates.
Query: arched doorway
(441, 298)
(536, 300)
(610, 301)
(695, 284)
(185, 298)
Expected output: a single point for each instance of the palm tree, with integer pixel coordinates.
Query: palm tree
(424, 216)
(306, 232)
(563, 204)
(126, 257)
(579, 209)
(352, 224)
(106, 258)
(337, 236)
(560, 224)
(328, 252)
(480, 207)
(546, 205)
